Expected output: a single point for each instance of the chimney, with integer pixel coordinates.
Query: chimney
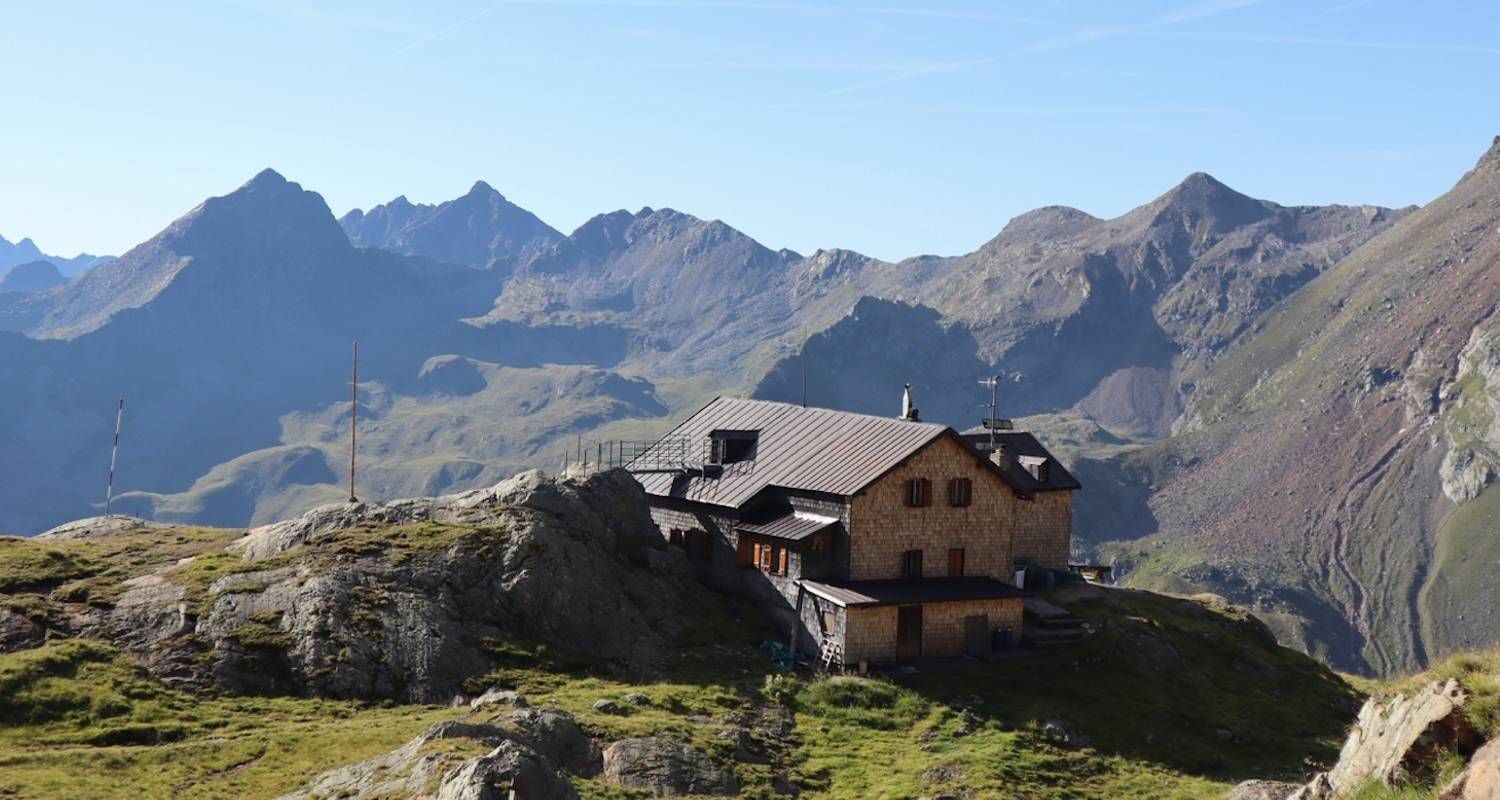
(1001, 456)
(908, 410)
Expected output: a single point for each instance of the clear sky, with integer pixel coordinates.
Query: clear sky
(893, 127)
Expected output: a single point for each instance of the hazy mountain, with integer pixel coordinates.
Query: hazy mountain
(1336, 466)
(26, 251)
(480, 229)
(1104, 315)
(33, 276)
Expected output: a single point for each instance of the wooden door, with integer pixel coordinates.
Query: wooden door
(955, 562)
(908, 633)
(977, 635)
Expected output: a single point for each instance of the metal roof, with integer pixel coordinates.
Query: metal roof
(902, 592)
(1021, 446)
(793, 526)
(808, 449)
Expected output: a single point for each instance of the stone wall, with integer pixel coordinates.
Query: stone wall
(870, 632)
(995, 529)
(1044, 529)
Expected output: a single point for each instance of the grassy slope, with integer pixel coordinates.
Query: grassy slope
(1151, 691)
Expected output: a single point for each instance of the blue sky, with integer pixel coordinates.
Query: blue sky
(893, 128)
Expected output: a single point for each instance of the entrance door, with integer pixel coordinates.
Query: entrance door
(977, 635)
(908, 633)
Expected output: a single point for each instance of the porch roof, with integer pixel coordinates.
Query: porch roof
(851, 594)
(793, 526)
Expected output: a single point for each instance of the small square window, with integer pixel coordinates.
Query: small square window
(918, 492)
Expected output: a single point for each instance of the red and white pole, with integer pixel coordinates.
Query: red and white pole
(109, 492)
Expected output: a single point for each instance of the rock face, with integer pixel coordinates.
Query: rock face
(1395, 741)
(509, 769)
(666, 768)
(1480, 780)
(405, 600)
(34, 276)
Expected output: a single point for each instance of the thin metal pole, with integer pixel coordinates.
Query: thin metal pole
(353, 418)
(114, 452)
(803, 361)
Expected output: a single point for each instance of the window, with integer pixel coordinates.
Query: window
(829, 622)
(730, 447)
(785, 559)
(918, 492)
(675, 537)
(960, 492)
(763, 557)
(955, 562)
(742, 554)
(911, 565)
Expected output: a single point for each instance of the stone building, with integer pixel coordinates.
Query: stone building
(870, 539)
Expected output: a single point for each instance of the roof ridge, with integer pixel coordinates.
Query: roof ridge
(825, 409)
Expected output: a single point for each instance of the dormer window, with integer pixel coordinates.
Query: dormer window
(731, 446)
(1036, 466)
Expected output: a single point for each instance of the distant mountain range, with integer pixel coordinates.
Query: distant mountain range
(1286, 405)
(26, 252)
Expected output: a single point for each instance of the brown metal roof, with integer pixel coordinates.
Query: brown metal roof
(898, 592)
(1021, 445)
(794, 527)
(808, 449)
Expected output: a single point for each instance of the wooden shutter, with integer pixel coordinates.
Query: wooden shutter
(960, 491)
(742, 552)
(763, 560)
(705, 546)
(918, 492)
(911, 564)
(956, 562)
(784, 559)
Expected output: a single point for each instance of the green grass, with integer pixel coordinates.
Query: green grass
(82, 720)
(27, 563)
(1478, 671)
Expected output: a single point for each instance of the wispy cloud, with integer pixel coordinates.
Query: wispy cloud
(1100, 33)
(1073, 39)
(451, 28)
(1365, 44)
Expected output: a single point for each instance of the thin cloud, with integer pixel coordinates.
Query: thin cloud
(1319, 41)
(451, 28)
(1097, 34)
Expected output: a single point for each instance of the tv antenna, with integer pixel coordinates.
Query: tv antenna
(109, 491)
(353, 418)
(803, 359)
(994, 422)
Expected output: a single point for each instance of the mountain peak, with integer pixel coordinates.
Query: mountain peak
(482, 189)
(1491, 158)
(1202, 198)
(265, 178)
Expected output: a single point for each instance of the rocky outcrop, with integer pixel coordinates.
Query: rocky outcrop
(1472, 403)
(508, 768)
(556, 735)
(408, 599)
(666, 768)
(1396, 740)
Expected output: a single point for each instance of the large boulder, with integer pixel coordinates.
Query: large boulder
(463, 761)
(666, 768)
(555, 734)
(1398, 740)
(1402, 738)
(405, 599)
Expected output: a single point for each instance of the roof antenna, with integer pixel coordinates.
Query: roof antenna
(993, 422)
(109, 492)
(353, 418)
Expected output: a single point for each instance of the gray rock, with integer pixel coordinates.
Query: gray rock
(666, 768)
(555, 734)
(1263, 790)
(637, 699)
(575, 562)
(608, 706)
(499, 697)
(511, 771)
(1060, 732)
(1394, 740)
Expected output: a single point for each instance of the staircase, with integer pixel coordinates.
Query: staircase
(1045, 625)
